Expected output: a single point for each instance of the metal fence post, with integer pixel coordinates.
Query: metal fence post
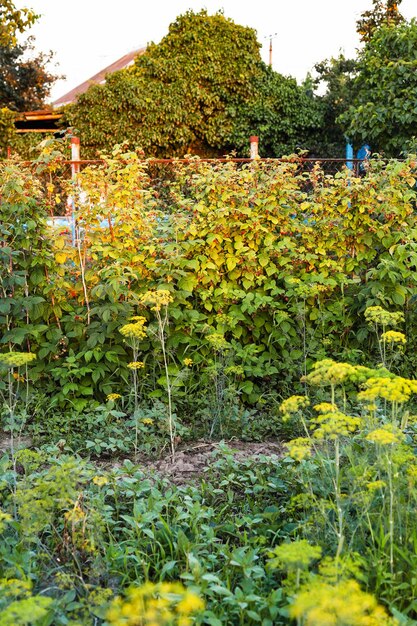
(75, 168)
(254, 147)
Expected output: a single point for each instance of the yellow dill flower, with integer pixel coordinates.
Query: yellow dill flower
(332, 425)
(293, 404)
(393, 336)
(299, 448)
(190, 603)
(385, 436)
(160, 604)
(5, 518)
(16, 359)
(329, 372)
(218, 341)
(343, 604)
(113, 396)
(395, 389)
(187, 362)
(159, 298)
(294, 555)
(147, 421)
(134, 330)
(136, 365)
(375, 485)
(412, 475)
(100, 481)
(378, 315)
(325, 407)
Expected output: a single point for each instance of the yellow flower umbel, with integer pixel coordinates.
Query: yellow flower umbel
(16, 359)
(187, 362)
(100, 481)
(335, 424)
(136, 365)
(379, 316)
(111, 397)
(385, 436)
(160, 604)
(344, 604)
(293, 405)
(295, 555)
(329, 372)
(393, 336)
(134, 330)
(158, 298)
(396, 390)
(299, 448)
(294, 558)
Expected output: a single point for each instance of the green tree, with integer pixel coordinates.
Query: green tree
(383, 110)
(204, 89)
(25, 82)
(337, 74)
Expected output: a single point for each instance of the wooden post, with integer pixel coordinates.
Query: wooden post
(254, 147)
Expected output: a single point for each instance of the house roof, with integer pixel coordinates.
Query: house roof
(99, 78)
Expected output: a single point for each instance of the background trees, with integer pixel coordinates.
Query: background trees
(383, 108)
(203, 89)
(25, 80)
(371, 99)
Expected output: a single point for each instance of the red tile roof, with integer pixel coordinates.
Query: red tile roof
(98, 78)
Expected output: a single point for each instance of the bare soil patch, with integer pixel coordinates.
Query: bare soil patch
(192, 460)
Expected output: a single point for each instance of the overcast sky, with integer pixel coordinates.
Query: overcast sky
(88, 35)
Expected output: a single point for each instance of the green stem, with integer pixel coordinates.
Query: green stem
(338, 494)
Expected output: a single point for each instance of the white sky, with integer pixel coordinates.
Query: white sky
(88, 35)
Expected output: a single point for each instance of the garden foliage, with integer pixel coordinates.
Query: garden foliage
(193, 310)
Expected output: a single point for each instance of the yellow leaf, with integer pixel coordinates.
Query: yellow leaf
(59, 243)
(60, 257)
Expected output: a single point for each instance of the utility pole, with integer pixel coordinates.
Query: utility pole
(271, 37)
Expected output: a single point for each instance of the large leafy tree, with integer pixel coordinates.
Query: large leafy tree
(25, 81)
(337, 74)
(358, 91)
(383, 111)
(204, 89)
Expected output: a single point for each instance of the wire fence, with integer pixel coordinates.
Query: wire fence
(55, 175)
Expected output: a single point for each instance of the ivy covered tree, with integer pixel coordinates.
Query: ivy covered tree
(203, 89)
(383, 109)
